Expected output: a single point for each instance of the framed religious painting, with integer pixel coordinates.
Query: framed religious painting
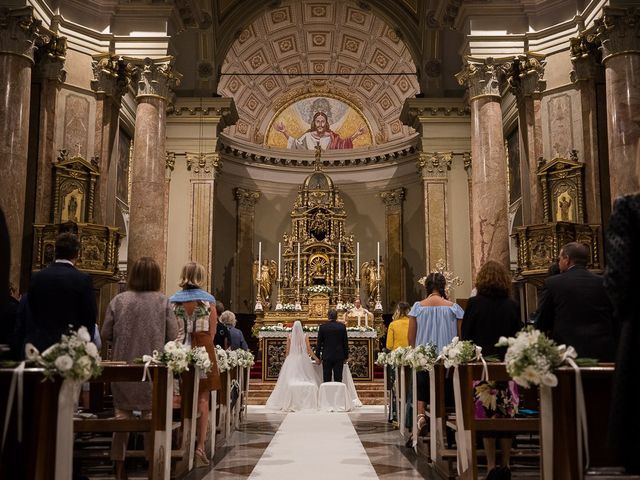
(74, 185)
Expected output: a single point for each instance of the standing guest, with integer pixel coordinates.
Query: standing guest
(8, 318)
(432, 320)
(59, 296)
(490, 315)
(193, 307)
(575, 309)
(221, 338)
(142, 308)
(623, 283)
(228, 318)
(398, 333)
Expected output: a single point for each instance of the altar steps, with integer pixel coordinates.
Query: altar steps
(370, 393)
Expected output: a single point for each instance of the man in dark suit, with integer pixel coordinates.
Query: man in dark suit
(332, 347)
(59, 296)
(575, 308)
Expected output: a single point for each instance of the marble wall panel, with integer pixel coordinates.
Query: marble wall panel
(78, 113)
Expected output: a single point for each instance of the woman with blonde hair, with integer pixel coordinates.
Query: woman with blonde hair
(197, 319)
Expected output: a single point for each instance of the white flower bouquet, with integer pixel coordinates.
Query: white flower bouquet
(423, 357)
(199, 357)
(347, 306)
(221, 357)
(397, 357)
(288, 307)
(460, 351)
(531, 357)
(232, 358)
(74, 357)
(174, 355)
(383, 359)
(320, 289)
(361, 329)
(245, 358)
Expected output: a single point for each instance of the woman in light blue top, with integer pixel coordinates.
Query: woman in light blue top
(432, 320)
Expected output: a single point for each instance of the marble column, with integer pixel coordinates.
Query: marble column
(489, 173)
(587, 73)
(525, 78)
(619, 33)
(154, 80)
(245, 238)
(395, 284)
(434, 168)
(18, 34)
(468, 168)
(203, 170)
(111, 75)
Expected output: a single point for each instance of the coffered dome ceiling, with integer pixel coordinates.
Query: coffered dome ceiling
(303, 49)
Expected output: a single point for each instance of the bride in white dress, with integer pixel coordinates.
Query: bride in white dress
(300, 378)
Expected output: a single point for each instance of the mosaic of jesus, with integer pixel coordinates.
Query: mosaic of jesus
(328, 121)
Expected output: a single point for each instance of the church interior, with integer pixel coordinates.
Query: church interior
(311, 153)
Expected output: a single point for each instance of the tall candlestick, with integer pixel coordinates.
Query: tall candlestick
(279, 260)
(259, 257)
(298, 261)
(378, 261)
(358, 260)
(339, 257)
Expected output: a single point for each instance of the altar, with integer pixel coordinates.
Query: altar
(362, 343)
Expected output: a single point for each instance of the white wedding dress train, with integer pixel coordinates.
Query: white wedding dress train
(299, 379)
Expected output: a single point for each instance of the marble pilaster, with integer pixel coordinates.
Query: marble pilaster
(154, 80)
(434, 168)
(111, 75)
(489, 173)
(245, 216)
(395, 284)
(19, 31)
(619, 33)
(525, 78)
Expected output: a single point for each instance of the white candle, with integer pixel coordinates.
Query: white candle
(378, 261)
(358, 260)
(358, 320)
(259, 257)
(339, 257)
(298, 261)
(279, 260)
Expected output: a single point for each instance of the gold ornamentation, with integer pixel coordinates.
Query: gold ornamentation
(452, 279)
(481, 75)
(435, 164)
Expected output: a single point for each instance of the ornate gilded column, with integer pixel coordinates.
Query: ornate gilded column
(111, 75)
(245, 216)
(203, 170)
(619, 33)
(489, 173)
(154, 80)
(525, 78)
(395, 284)
(19, 32)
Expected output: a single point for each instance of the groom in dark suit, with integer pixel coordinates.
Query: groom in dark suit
(332, 347)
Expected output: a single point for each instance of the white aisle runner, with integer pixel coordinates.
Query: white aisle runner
(314, 446)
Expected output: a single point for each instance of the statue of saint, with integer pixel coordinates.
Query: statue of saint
(369, 276)
(266, 274)
(564, 204)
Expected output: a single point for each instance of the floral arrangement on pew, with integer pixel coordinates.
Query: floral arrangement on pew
(245, 358)
(174, 355)
(531, 357)
(460, 351)
(398, 357)
(221, 357)
(422, 357)
(74, 357)
(382, 359)
(199, 357)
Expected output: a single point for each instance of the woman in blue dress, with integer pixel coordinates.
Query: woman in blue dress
(433, 320)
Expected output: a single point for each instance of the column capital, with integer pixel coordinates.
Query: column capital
(111, 75)
(393, 198)
(481, 76)
(169, 164)
(435, 164)
(466, 159)
(203, 164)
(246, 198)
(525, 74)
(155, 77)
(619, 31)
(21, 33)
(585, 54)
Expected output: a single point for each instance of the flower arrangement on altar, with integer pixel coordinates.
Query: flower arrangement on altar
(320, 289)
(284, 328)
(74, 357)
(460, 351)
(346, 306)
(288, 307)
(531, 357)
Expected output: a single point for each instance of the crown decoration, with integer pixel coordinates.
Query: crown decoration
(452, 279)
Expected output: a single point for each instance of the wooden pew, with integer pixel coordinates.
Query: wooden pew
(563, 455)
(468, 425)
(160, 424)
(36, 457)
(441, 416)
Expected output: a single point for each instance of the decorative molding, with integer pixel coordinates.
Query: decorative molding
(393, 198)
(525, 74)
(111, 75)
(618, 31)
(434, 165)
(246, 198)
(203, 163)
(155, 77)
(482, 75)
(586, 56)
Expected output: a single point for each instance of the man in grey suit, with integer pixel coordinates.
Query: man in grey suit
(332, 347)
